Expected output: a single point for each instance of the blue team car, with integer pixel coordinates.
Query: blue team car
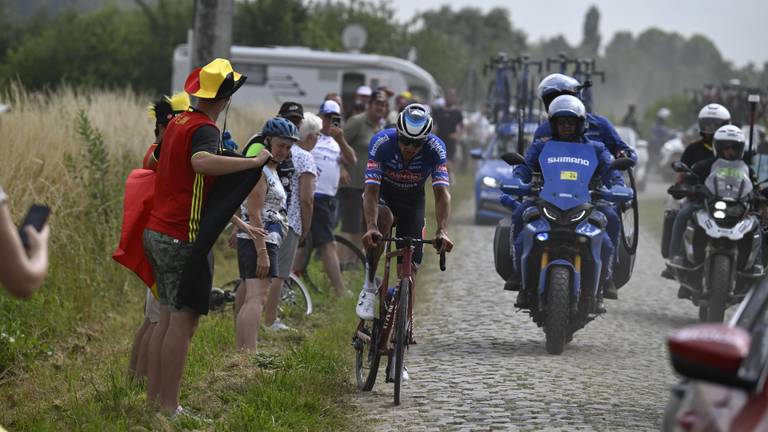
(492, 171)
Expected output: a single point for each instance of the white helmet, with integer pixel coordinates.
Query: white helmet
(663, 113)
(567, 106)
(712, 117)
(414, 122)
(729, 136)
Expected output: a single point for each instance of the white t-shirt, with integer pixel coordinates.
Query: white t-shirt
(327, 154)
(273, 212)
(303, 162)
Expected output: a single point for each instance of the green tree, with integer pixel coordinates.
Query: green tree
(590, 42)
(269, 22)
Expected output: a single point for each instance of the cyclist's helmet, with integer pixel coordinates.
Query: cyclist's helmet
(555, 85)
(712, 117)
(729, 136)
(280, 127)
(414, 124)
(567, 106)
(663, 113)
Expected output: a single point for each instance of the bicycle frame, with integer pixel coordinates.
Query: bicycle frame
(387, 312)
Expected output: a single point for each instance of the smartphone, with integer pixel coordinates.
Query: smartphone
(37, 216)
(336, 121)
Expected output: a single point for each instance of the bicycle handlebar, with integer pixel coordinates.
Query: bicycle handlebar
(410, 241)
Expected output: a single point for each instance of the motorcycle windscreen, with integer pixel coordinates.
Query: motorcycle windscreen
(729, 179)
(567, 169)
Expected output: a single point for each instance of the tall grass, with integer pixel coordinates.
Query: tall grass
(72, 150)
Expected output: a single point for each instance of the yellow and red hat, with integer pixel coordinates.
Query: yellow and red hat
(216, 80)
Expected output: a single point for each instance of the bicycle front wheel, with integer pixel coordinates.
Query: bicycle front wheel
(367, 355)
(401, 334)
(294, 298)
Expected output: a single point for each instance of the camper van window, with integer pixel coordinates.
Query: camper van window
(256, 73)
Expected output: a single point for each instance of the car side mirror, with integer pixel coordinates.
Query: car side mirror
(622, 164)
(712, 353)
(513, 158)
(476, 153)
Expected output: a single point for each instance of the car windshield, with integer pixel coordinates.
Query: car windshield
(505, 143)
(628, 136)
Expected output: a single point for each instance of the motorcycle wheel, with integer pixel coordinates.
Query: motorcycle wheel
(556, 325)
(719, 281)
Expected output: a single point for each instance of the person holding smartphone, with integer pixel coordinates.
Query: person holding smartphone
(23, 267)
(330, 151)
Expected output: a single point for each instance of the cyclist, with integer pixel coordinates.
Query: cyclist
(568, 119)
(400, 160)
(598, 128)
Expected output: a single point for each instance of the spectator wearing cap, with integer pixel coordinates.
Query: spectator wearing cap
(362, 96)
(401, 101)
(329, 153)
(292, 111)
(190, 162)
(300, 203)
(358, 131)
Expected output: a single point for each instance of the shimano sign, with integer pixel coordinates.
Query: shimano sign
(567, 159)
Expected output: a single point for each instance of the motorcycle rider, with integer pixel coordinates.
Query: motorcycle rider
(660, 134)
(728, 144)
(568, 121)
(711, 118)
(598, 128)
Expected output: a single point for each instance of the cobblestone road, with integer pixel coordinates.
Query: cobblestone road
(479, 365)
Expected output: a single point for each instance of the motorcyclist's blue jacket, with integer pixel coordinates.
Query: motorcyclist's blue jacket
(609, 176)
(599, 129)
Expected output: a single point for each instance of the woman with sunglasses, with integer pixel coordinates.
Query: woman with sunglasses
(400, 160)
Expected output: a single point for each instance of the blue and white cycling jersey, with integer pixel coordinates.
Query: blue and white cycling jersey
(386, 167)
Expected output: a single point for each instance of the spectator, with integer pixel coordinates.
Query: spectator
(630, 118)
(161, 111)
(300, 203)
(329, 153)
(21, 271)
(362, 96)
(358, 131)
(185, 173)
(336, 98)
(401, 101)
(292, 111)
(450, 124)
(265, 208)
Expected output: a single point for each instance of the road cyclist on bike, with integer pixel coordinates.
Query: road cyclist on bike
(400, 160)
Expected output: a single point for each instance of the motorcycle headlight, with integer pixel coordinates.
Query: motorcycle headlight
(551, 213)
(578, 216)
(720, 205)
(719, 214)
(490, 182)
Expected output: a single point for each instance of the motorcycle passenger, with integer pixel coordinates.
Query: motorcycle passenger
(710, 119)
(598, 128)
(728, 144)
(568, 121)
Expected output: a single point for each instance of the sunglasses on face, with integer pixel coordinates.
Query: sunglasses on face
(567, 121)
(412, 142)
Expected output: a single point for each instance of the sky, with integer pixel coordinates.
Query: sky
(739, 28)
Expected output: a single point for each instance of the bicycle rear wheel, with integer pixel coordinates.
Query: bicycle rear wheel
(294, 298)
(401, 334)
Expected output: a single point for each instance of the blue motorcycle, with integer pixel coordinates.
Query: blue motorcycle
(563, 235)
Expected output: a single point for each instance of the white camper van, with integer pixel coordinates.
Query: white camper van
(299, 74)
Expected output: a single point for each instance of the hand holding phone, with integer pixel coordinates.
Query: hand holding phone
(37, 216)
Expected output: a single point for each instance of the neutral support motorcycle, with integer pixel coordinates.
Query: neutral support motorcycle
(561, 262)
(722, 241)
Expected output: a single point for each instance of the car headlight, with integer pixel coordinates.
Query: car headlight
(579, 216)
(550, 213)
(490, 182)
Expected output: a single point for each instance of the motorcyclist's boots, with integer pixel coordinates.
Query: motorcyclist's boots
(757, 270)
(609, 290)
(683, 293)
(668, 273)
(522, 301)
(512, 284)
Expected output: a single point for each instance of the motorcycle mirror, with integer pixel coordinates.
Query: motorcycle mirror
(622, 164)
(513, 158)
(678, 166)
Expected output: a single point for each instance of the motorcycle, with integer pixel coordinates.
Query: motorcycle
(722, 241)
(561, 263)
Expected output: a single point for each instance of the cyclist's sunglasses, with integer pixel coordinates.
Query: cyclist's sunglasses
(413, 142)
